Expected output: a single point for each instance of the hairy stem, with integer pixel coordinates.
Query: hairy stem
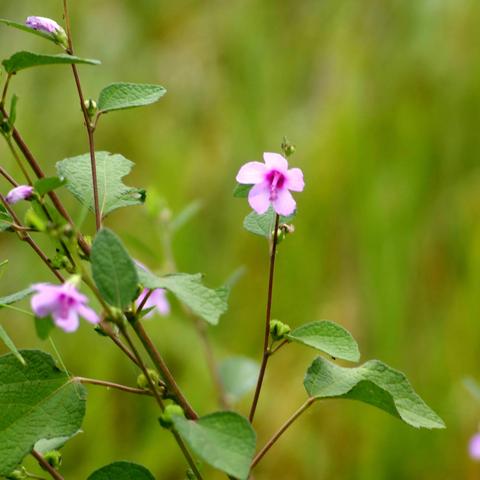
(268, 315)
(116, 386)
(46, 466)
(158, 361)
(88, 124)
(280, 432)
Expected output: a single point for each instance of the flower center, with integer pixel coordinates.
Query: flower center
(276, 181)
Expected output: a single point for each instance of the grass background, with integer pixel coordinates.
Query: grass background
(382, 99)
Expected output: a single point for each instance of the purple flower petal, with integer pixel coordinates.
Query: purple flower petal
(275, 161)
(295, 180)
(88, 314)
(22, 192)
(68, 323)
(474, 447)
(259, 198)
(43, 24)
(251, 172)
(157, 300)
(284, 204)
(45, 301)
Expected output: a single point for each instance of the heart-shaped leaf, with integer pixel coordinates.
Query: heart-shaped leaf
(374, 383)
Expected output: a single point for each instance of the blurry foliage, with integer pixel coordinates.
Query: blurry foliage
(382, 99)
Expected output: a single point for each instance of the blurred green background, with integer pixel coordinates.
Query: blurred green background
(382, 99)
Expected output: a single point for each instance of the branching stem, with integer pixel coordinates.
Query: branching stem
(116, 386)
(46, 466)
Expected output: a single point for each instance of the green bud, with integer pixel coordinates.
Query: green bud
(59, 261)
(166, 418)
(287, 147)
(19, 474)
(54, 458)
(283, 230)
(91, 107)
(142, 380)
(61, 38)
(278, 330)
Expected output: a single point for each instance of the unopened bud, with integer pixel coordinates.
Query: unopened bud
(287, 147)
(19, 474)
(60, 37)
(283, 230)
(91, 107)
(278, 330)
(142, 380)
(53, 458)
(166, 418)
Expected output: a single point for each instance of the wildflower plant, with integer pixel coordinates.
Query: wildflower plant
(43, 404)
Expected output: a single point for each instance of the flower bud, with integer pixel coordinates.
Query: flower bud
(53, 458)
(283, 230)
(17, 194)
(287, 147)
(278, 330)
(91, 107)
(143, 382)
(166, 418)
(19, 474)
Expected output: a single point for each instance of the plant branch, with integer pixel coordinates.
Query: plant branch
(88, 124)
(265, 356)
(278, 347)
(5, 89)
(8, 177)
(27, 238)
(46, 466)
(158, 361)
(116, 386)
(280, 432)
(19, 162)
(178, 439)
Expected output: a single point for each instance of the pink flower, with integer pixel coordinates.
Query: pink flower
(474, 447)
(64, 303)
(157, 300)
(22, 192)
(272, 182)
(43, 24)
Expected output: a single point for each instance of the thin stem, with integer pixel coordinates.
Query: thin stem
(5, 89)
(19, 162)
(143, 302)
(267, 320)
(280, 432)
(8, 177)
(27, 238)
(278, 347)
(178, 439)
(46, 466)
(88, 124)
(158, 361)
(116, 386)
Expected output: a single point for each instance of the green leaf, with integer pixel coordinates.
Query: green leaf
(22, 60)
(328, 337)
(12, 117)
(239, 375)
(263, 224)
(241, 190)
(111, 168)
(5, 219)
(10, 345)
(205, 302)
(374, 383)
(113, 270)
(47, 445)
(38, 402)
(48, 184)
(15, 297)
(119, 96)
(122, 471)
(43, 327)
(224, 440)
(21, 26)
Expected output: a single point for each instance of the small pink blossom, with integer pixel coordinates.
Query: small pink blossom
(64, 303)
(474, 447)
(272, 182)
(43, 24)
(22, 192)
(157, 300)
